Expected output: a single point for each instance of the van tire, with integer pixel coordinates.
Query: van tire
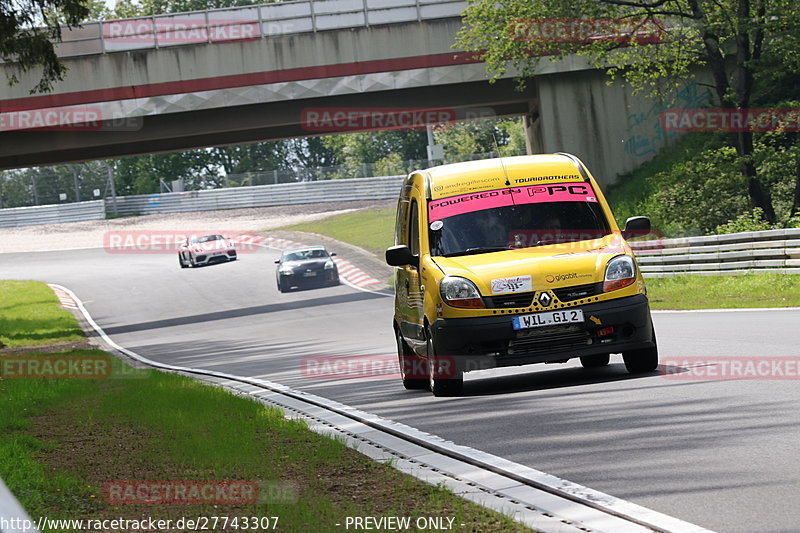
(643, 360)
(408, 359)
(595, 361)
(449, 385)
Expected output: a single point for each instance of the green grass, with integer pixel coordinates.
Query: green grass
(632, 193)
(713, 292)
(370, 229)
(29, 315)
(61, 440)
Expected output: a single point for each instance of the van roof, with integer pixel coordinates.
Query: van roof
(488, 174)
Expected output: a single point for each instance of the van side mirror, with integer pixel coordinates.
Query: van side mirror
(636, 227)
(401, 255)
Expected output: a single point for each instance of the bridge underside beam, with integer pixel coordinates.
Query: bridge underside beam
(251, 123)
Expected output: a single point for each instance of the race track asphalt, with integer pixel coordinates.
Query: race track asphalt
(718, 453)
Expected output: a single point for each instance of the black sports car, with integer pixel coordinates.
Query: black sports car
(311, 265)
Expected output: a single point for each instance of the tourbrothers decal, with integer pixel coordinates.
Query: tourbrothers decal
(483, 183)
(467, 203)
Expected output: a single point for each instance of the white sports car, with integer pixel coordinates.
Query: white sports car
(205, 250)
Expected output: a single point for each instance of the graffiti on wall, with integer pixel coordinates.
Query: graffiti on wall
(646, 134)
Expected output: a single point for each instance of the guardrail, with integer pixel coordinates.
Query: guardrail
(247, 22)
(341, 190)
(776, 251)
(52, 214)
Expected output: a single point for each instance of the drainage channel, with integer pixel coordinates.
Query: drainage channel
(536, 499)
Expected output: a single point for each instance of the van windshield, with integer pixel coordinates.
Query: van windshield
(517, 226)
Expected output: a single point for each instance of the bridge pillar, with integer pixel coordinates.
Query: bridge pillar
(532, 122)
(533, 133)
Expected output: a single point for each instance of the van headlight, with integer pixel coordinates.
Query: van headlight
(620, 272)
(460, 292)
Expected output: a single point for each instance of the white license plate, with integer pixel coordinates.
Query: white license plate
(309, 274)
(548, 318)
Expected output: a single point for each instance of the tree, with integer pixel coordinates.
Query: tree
(662, 42)
(240, 158)
(353, 150)
(143, 174)
(28, 29)
(467, 138)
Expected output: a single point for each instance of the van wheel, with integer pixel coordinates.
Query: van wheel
(595, 361)
(413, 369)
(644, 360)
(445, 380)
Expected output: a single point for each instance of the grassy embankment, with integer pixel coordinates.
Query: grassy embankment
(62, 440)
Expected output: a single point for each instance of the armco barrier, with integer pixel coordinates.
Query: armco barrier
(342, 190)
(776, 251)
(52, 214)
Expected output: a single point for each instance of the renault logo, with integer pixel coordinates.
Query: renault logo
(545, 299)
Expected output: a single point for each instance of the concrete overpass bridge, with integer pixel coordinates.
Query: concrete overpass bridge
(296, 69)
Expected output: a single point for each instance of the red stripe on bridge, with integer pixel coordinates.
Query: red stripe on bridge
(237, 80)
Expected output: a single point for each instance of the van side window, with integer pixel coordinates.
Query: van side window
(413, 230)
(401, 224)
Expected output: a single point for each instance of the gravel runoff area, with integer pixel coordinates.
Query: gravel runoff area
(91, 234)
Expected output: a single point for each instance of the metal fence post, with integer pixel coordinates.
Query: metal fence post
(35, 191)
(155, 33)
(113, 190)
(75, 180)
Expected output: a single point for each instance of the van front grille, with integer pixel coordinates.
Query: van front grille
(504, 301)
(576, 292)
(551, 338)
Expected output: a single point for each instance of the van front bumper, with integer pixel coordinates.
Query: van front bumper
(612, 326)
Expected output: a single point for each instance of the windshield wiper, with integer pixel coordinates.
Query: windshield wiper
(478, 250)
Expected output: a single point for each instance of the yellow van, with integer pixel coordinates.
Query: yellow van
(513, 261)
